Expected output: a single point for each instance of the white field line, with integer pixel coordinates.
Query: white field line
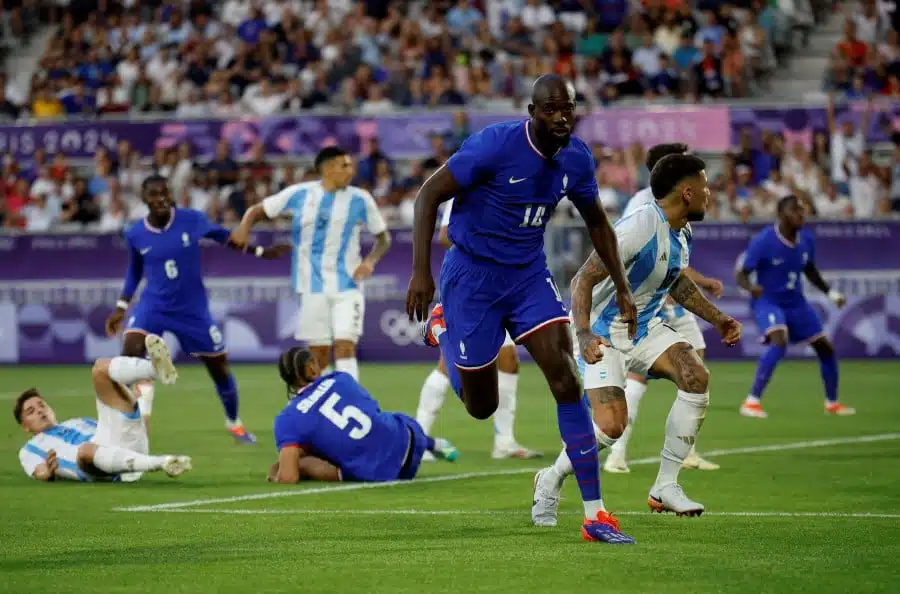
(819, 443)
(476, 512)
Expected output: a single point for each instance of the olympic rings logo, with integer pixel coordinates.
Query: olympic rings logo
(396, 326)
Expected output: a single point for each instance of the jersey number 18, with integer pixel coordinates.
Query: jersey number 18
(536, 220)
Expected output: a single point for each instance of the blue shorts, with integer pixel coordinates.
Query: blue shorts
(417, 448)
(196, 332)
(801, 321)
(484, 301)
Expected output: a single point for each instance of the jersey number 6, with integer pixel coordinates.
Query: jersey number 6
(171, 269)
(342, 419)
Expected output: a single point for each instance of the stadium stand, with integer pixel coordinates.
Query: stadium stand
(234, 58)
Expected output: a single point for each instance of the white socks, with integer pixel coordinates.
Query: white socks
(634, 391)
(144, 391)
(562, 467)
(348, 365)
(685, 418)
(431, 399)
(504, 417)
(128, 370)
(115, 460)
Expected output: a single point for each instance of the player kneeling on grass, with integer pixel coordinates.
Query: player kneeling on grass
(333, 430)
(113, 447)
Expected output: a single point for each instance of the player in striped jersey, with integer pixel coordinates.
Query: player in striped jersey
(681, 320)
(434, 390)
(112, 447)
(327, 269)
(655, 245)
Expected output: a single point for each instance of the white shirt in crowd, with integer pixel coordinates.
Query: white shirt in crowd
(847, 150)
(865, 192)
(826, 208)
(537, 16)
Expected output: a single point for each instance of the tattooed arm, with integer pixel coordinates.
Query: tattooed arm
(582, 288)
(685, 292)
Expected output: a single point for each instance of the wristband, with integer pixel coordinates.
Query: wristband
(121, 304)
(834, 296)
(260, 250)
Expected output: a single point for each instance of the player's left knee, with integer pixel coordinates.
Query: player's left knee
(508, 360)
(344, 349)
(100, 370)
(823, 347)
(695, 379)
(85, 455)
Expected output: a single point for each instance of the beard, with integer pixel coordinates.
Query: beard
(694, 217)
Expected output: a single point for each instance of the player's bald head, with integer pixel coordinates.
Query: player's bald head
(551, 86)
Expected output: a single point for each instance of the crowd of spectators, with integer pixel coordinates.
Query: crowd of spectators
(837, 178)
(866, 61)
(200, 58)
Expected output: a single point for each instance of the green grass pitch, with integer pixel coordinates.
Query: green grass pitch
(821, 516)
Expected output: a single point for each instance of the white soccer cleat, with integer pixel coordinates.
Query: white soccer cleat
(753, 410)
(161, 359)
(671, 498)
(444, 450)
(696, 462)
(838, 409)
(616, 463)
(514, 450)
(545, 504)
(177, 465)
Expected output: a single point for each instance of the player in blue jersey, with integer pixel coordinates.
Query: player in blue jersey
(507, 180)
(164, 248)
(780, 256)
(334, 430)
(112, 447)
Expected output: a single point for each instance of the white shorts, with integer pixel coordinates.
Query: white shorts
(625, 357)
(689, 329)
(115, 428)
(326, 318)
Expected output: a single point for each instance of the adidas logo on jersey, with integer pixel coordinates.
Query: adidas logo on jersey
(664, 257)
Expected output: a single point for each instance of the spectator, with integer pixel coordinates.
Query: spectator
(463, 18)
(46, 105)
(8, 109)
(40, 214)
(851, 48)
(868, 192)
(711, 31)
(114, 216)
(536, 15)
(870, 26)
(708, 77)
(17, 200)
(830, 204)
(647, 57)
(846, 147)
(686, 55)
(224, 170)
(667, 36)
(81, 208)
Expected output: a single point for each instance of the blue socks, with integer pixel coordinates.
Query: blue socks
(449, 353)
(766, 367)
(228, 394)
(429, 443)
(828, 365)
(577, 431)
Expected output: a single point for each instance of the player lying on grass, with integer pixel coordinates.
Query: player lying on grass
(114, 446)
(655, 245)
(333, 430)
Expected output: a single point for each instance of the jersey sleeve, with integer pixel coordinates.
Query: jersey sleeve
(275, 204)
(476, 157)
(29, 461)
(445, 216)
(633, 233)
(373, 220)
(811, 242)
(288, 431)
(211, 230)
(755, 254)
(135, 270)
(586, 191)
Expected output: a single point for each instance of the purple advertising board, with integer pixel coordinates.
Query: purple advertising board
(56, 291)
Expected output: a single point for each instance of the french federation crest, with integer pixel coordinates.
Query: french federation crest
(565, 181)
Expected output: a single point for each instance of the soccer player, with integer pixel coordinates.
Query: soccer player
(327, 269)
(112, 447)
(333, 430)
(507, 179)
(655, 243)
(434, 390)
(165, 248)
(681, 320)
(779, 256)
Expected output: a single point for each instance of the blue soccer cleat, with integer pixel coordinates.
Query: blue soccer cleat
(241, 435)
(434, 327)
(604, 529)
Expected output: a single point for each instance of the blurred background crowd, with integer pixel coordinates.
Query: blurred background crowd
(196, 58)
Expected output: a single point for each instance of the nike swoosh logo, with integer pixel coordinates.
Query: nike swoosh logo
(145, 250)
(776, 262)
(588, 451)
(513, 180)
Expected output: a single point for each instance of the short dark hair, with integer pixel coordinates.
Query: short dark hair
(292, 366)
(671, 171)
(327, 154)
(663, 150)
(785, 202)
(152, 179)
(21, 400)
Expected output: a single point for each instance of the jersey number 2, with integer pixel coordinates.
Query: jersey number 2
(533, 221)
(792, 281)
(342, 419)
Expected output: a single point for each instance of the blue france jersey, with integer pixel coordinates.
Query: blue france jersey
(336, 419)
(779, 264)
(509, 191)
(169, 259)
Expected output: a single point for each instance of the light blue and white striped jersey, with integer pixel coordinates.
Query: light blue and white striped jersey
(644, 197)
(654, 255)
(325, 233)
(64, 439)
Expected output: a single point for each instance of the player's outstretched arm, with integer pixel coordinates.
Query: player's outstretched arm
(603, 237)
(713, 285)
(582, 286)
(811, 272)
(438, 188)
(686, 292)
(742, 278)
(133, 276)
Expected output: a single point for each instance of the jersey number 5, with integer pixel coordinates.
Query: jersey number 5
(342, 419)
(533, 221)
